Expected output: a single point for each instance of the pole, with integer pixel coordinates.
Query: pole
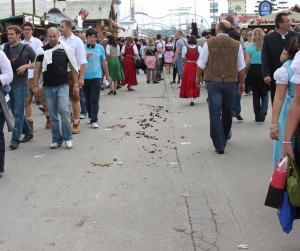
(195, 12)
(33, 7)
(13, 10)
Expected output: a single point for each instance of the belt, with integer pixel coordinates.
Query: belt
(192, 61)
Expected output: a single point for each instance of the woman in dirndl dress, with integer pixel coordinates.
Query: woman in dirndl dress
(114, 66)
(284, 95)
(129, 54)
(151, 61)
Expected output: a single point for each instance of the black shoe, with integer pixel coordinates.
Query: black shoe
(229, 135)
(148, 82)
(111, 92)
(13, 145)
(237, 116)
(173, 82)
(192, 103)
(219, 151)
(155, 82)
(115, 93)
(162, 79)
(26, 138)
(1, 174)
(120, 86)
(262, 117)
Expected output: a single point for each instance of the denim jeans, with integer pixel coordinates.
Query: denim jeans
(159, 69)
(58, 102)
(17, 96)
(82, 102)
(2, 143)
(91, 90)
(237, 101)
(260, 102)
(179, 66)
(220, 102)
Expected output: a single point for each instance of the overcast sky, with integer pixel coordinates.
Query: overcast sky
(159, 8)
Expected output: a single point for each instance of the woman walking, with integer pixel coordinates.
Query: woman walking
(129, 53)
(254, 77)
(284, 95)
(151, 61)
(190, 55)
(114, 66)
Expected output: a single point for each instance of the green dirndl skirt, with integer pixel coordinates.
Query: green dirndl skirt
(115, 69)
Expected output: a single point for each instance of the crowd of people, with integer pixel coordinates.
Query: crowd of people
(65, 73)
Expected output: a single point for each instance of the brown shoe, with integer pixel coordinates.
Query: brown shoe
(31, 124)
(76, 128)
(48, 123)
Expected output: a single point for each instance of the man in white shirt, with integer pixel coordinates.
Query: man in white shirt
(76, 43)
(35, 43)
(160, 46)
(223, 64)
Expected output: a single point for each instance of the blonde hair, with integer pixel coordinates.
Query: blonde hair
(129, 41)
(151, 42)
(258, 38)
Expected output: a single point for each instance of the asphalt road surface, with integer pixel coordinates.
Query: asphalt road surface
(147, 179)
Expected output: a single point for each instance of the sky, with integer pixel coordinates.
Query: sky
(159, 8)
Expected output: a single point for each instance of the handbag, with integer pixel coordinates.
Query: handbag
(293, 183)
(286, 214)
(137, 63)
(277, 185)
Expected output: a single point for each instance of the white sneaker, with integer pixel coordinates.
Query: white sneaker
(55, 145)
(95, 125)
(69, 144)
(82, 116)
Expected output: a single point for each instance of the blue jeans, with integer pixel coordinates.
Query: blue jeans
(220, 102)
(179, 66)
(17, 96)
(82, 102)
(91, 90)
(159, 69)
(58, 102)
(237, 101)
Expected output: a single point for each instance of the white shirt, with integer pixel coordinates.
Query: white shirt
(295, 66)
(184, 50)
(159, 45)
(34, 43)
(108, 49)
(78, 47)
(281, 76)
(135, 49)
(6, 75)
(202, 61)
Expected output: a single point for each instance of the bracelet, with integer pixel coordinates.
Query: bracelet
(274, 126)
(286, 142)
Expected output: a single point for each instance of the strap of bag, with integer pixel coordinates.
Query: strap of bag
(291, 163)
(25, 45)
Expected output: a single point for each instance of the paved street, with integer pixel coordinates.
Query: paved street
(168, 190)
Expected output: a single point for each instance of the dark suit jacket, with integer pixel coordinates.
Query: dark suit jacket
(272, 48)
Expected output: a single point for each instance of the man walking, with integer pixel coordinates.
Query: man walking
(93, 75)
(234, 34)
(180, 43)
(54, 59)
(76, 43)
(274, 44)
(34, 43)
(20, 55)
(223, 63)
